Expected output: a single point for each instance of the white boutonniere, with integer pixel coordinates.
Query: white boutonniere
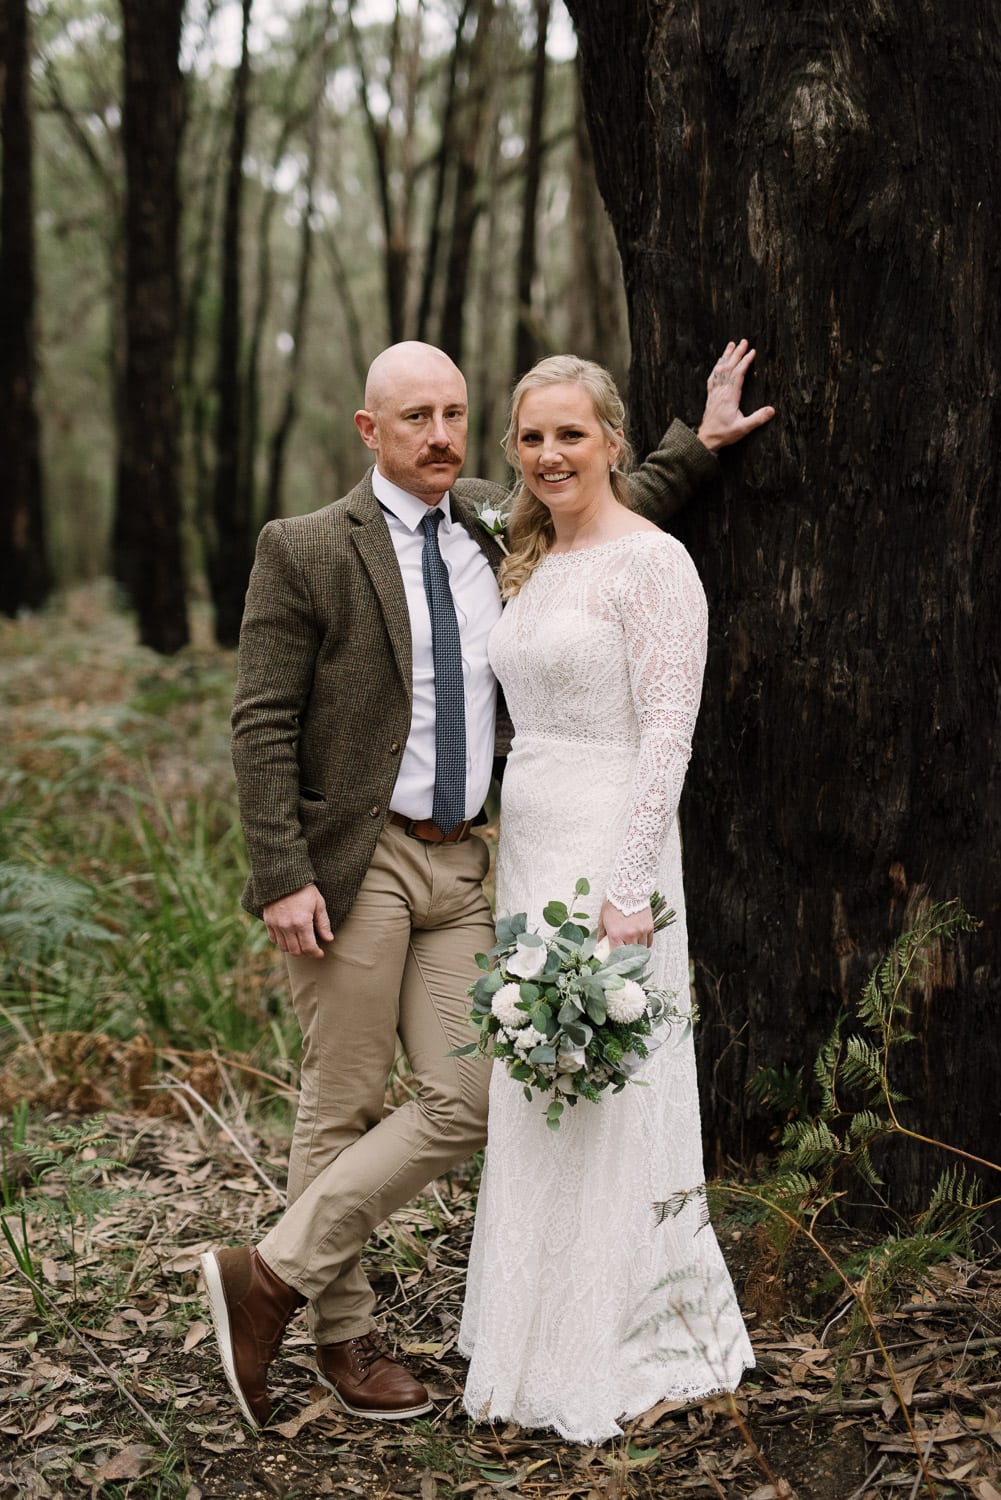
(493, 521)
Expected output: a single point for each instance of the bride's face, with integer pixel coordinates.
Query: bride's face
(564, 452)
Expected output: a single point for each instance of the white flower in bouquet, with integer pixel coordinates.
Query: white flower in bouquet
(571, 1060)
(626, 1004)
(529, 958)
(504, 1007)
(568, 1015)
(528, 1038)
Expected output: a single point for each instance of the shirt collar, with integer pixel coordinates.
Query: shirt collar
(409, 509)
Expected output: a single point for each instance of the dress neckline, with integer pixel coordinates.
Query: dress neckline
(615, 541)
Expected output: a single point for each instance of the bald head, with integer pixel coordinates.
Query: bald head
(415, 418)
(409, 363)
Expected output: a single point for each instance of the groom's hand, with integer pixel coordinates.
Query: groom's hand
(723, 422)
(620, 929)
(299, 923)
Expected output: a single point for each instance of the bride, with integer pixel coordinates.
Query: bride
(582, 1310)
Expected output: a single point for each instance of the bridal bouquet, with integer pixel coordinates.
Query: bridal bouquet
(568, 1017)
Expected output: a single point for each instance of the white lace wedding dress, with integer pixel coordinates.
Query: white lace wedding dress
(581, 1309)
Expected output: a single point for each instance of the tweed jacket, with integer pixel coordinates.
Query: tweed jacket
(324, 686)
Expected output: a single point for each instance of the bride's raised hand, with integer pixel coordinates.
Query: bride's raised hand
(621, 929)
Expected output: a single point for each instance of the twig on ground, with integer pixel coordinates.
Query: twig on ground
(859, 1494)
(182, 1088)
(39, 1291)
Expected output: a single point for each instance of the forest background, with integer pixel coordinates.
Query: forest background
(213, 216)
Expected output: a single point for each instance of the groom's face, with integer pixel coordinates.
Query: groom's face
(418, 427)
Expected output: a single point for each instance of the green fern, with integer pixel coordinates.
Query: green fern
(43, 911)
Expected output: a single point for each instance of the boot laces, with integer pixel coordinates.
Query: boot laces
(368, 1348)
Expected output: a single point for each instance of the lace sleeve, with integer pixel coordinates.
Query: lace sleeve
(664, 617)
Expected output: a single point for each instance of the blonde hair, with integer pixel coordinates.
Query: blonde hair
(530, 529)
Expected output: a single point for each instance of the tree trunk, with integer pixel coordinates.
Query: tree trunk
(24, 569)
(231, 554)
(595, 300)
(825, 180)
(147, 540)
(466, 201)
(282, 430)
(443, 162)
(526, 345)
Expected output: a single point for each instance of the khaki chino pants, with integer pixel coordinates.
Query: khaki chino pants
(398, 966)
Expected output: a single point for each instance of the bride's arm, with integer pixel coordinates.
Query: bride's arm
(664, 617)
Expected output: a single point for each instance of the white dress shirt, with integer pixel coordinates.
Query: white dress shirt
(477, 607)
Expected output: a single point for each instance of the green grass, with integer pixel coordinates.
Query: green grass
(121, 856)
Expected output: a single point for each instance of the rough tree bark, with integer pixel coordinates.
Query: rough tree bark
(24, 569)
(147, 540)
(826, 180)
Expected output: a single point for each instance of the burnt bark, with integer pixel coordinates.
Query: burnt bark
(826, 180)
(147, 537)
(25, 578)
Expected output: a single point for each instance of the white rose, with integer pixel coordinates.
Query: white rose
(504, 1005)
(603, 949)
(528, 959)
(492, 518)
(571, 1062)
(626, 1004)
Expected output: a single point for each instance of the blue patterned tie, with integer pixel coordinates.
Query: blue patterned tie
(450, 710)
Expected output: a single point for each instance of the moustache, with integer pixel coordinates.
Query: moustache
(441, 456)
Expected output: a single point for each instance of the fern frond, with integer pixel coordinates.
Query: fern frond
(825, 1067)
(862, 1067)
(43, 910)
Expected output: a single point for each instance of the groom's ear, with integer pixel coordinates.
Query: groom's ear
(366, 425)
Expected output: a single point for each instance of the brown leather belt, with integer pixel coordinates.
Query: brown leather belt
(428, 832)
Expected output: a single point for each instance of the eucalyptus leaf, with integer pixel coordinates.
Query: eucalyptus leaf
(596, 1011)
(555, 914)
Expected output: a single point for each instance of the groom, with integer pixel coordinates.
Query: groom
(364, 733)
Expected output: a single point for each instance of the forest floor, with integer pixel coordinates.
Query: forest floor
(146, 1089)
(112, 1387)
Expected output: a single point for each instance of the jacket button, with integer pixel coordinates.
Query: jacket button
(374, 810)
(394, 747)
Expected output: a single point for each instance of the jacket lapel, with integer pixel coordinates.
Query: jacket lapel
(374, 546)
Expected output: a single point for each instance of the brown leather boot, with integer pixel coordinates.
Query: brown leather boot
(250, 1307)
(367, 1382)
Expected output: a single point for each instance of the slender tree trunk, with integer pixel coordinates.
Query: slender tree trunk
(466, 201)
(147, 541)
(232, 507)
(444, 162)
(292, 119)
(300, 315)
(526, 345)
(25, 579)
(393, 205)
(826, 180)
